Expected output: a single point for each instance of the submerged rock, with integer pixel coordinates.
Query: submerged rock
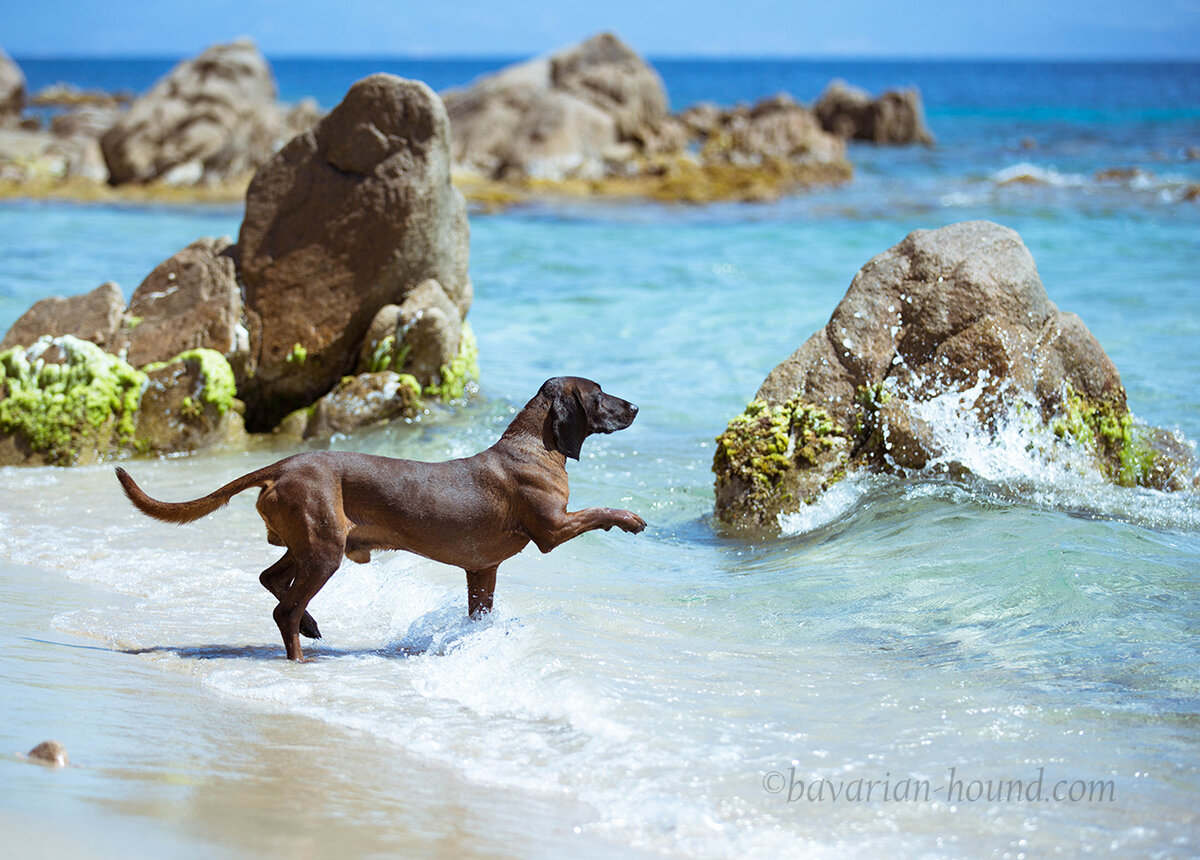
(346, 219)
(64, 401)
(958, 311)
(356, 402)
(211, 118)
(50, 753)
(189, 403)
(896, 116)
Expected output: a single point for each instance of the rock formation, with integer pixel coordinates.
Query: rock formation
(960, 309)
(558, 116)
(12, 90)
(64, 401)
(191, 300)
(96, 316)
(593, 119)
(211, 118)
(896, 116)
(349, 217)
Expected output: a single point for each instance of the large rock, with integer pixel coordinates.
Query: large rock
(65, 401)
(347, 218)
(188, 404)
(420, 336)
(356, 402)
(558, 116)
(896, 116)
(958, 311)
(777, 128)
(211, 118)
(12, 90)
(191, 300)
(94, 316)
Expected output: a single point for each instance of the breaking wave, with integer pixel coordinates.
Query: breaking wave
(1013, 458)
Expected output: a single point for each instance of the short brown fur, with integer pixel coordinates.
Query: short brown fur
(472, 513)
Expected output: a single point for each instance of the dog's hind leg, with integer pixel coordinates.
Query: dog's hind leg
(315, 564)
(277, 579)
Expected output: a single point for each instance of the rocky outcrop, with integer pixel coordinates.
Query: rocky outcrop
(191, 300)
(593, 119)
(558, 116)
(354, 255)
(65, 401)
(211, 118)
(774, 129)
(96, 316)
(188, 404)
(958, 311)
(895, 117)
(347, 218)
(12, 91)
(356, 402)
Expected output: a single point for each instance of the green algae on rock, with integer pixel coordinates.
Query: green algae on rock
(957, 320)
(1127, 452)
(216, 375)
(462, 372)
(766, 459)
(189, 403)
(65, 401)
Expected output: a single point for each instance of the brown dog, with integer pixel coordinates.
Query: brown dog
(472, 513)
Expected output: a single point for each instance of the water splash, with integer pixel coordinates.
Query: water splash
(1011, 457)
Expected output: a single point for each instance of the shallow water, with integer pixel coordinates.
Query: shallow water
(685, 691)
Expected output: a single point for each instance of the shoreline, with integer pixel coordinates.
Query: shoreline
(683, 182)
(161, 761)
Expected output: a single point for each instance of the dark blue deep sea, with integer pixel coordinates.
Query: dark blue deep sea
(1004, 666)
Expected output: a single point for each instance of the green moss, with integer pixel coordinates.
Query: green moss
(298, 355)
(463, 370)
(765, 444)
(867, 427)
(66, 411)
(407, 380)
(1122, 449)
(219, 386)
(220, 389)
(190, 408)
(386, 356)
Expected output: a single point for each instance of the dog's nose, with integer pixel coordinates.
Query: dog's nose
(633, 409)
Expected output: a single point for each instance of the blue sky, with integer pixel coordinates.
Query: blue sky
(1152, 29)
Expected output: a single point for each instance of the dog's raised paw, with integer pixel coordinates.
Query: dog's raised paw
(308, 627)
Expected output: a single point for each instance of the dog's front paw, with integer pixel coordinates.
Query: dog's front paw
(630, 522)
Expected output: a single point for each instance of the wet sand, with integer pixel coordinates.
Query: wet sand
(162, 768)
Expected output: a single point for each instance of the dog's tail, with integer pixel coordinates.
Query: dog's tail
(186, 512)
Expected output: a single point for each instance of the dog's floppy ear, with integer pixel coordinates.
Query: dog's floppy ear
(569, 422)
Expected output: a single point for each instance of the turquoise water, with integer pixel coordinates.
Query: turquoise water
(683, 692)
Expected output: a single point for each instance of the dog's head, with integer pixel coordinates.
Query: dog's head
(578, 408)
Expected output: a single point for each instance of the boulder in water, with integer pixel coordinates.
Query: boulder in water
(346, 219)
(211, 118)
(958, 312)
(895, 117)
